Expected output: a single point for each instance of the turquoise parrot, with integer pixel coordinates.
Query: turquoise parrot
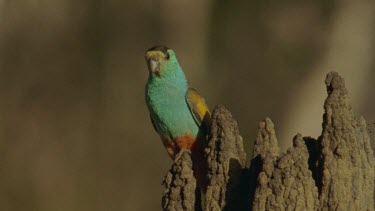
(178, 113)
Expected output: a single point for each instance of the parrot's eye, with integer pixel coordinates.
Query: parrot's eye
(167, 56)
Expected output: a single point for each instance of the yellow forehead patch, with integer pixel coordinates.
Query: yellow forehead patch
(155, 55)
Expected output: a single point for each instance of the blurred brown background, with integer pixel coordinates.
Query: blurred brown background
(75, 133)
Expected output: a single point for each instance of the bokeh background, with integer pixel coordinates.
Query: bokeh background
(75, 132)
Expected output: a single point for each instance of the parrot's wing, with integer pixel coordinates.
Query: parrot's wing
(198, 108)
(153, 123)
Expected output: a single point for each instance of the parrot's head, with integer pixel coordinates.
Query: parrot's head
(161, 61)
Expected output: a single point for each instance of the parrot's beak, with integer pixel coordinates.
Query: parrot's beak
(153, 59)
(154, 66)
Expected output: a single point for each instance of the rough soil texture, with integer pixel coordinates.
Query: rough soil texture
(180, 184)
(333, 172)
(285, 181)
(226, 162)
(347, 156)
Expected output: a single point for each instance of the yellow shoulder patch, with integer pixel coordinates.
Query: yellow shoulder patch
(198, 107)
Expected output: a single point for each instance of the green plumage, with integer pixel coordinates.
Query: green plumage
(179, 114)
(165, 99)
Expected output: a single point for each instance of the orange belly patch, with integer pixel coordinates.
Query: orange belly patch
(185, 141)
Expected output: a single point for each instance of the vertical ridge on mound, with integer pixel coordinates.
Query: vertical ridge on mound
(180, 184)
(226, 162)
(285, 181)
(347, 157)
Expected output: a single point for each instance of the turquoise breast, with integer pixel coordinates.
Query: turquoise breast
(169, 109)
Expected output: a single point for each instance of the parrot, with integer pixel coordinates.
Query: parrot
(179, 114)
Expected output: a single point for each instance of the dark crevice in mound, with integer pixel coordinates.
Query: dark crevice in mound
(315, 160)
